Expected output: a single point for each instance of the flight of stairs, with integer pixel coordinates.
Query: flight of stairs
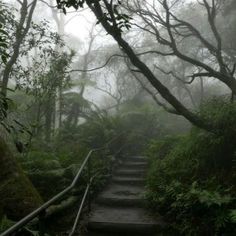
(119, 209)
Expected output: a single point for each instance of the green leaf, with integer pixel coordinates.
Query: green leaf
(233, 216)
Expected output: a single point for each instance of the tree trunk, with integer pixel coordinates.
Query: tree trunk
(143, 68)
(49, 120)
(60, 22)
(201, 90)
(21, 32)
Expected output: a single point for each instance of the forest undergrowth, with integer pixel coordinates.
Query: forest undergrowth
(192, 177)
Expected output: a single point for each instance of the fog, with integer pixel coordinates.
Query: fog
(117, 117)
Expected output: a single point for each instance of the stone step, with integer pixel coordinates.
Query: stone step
(137, 181)
(136, 159)
(124, 189)
(141, 165)
(116, 234)
(120, 202)
(119, 220)
(119, 210)
(124, 172)
(121, 195)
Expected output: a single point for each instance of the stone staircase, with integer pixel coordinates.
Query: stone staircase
(119, 209)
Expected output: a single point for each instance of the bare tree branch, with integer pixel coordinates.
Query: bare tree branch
(96, 68)
(150, 92)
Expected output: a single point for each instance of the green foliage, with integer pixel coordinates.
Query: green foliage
(222, 115)
(141, 123)
(4, 37)
(160, 148)
(52, 170)
(3, 44)
(192, 178)
(122, 19)
(43, 40)
(233, 216)
(52, 167)
(5, 223)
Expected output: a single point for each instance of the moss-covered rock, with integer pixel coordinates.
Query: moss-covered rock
(18, 195)
(50, 182)
(44, 165)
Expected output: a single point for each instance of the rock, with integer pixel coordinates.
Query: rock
(18, 195)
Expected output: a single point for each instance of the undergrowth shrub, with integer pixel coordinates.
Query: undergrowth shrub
(191, 181)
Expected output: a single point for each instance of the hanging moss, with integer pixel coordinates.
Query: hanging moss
(18, 195)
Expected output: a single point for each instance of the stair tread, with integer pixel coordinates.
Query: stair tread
(122, 216)
(122, 192)
(126, 170)
(127, 162)
(114, 234)
(131, 178)
(134, 165)
(136, 158)
(119, 208)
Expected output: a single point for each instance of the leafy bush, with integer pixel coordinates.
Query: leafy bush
(221, 113)
(158, 149)
(192, 178)
(52, 167)
(5, 223)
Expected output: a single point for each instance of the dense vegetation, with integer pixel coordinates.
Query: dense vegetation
(192, 177)
(163, 85)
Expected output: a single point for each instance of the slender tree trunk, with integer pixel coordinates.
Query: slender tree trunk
(26, 14)
(201, 90)
(48, 120)
(38, 115)
(190, 95)
(60, 22)
(60, 107)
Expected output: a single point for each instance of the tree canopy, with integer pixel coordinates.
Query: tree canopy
(169, 29)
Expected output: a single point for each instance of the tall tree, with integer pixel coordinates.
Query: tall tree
(114, 18)
(59, 18)
(26, 14)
